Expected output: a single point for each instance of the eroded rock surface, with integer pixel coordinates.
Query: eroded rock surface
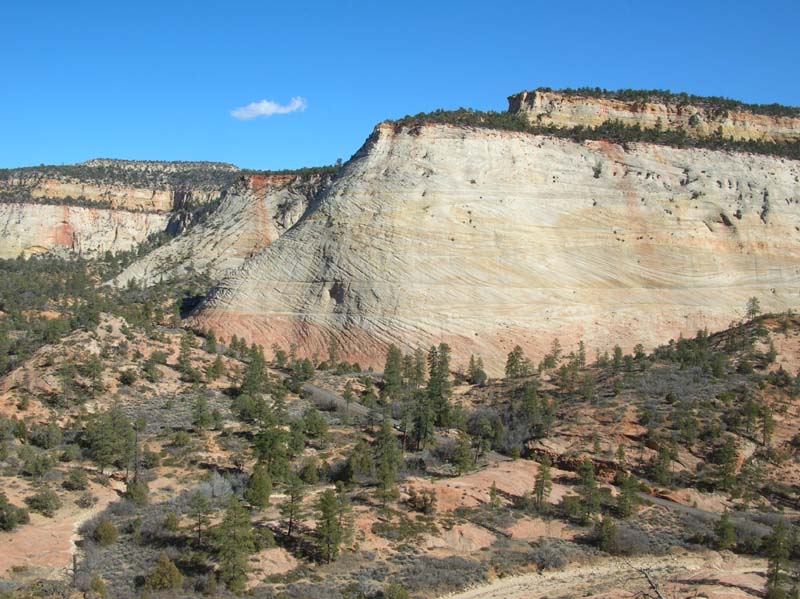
(569, 110)
(29, 229)
(247, 221)
(485, 239)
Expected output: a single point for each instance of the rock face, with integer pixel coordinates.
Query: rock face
(248, 220)
(102, 205)
(485, 239)
(120, 184)
(569, 110)
(28, 229)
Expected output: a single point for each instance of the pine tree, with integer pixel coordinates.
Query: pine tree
(422, 420)
(462, 457)
(185, 354)
(392, 374)
(725, 533)
(753, 308)
(419, 368)
(617, 360)
(235, 543)
(588, 489)
(777, 546)
(259, 487)
(199, 509)
(201, 415)
(388, 462)
(210, 344)
(517, 365)
(360, 462)
(620, 456)
(292, 508)
(628, 498)
(345, 513)
(328, 529)
(494, 498)
(348, 396)
(475, 373)
(255, 380)
(110, 438)
(542, 485)
(270, 448)
(440, 387)
(767, 425)
(216, 369)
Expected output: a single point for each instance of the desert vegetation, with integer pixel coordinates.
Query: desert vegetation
(228, 468)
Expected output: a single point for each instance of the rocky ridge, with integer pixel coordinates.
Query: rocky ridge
(668, 112)
(246, 221)
(485, 239)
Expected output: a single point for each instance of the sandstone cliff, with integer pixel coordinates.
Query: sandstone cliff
(485, 239)
(28, 229)
(569, 110)
(247, 221)
(120, 184)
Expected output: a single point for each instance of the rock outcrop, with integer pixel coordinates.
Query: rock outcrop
(249, 218)
(29, 229)
(485, 239)
(569, 110)
(103, 205)
(120, 184)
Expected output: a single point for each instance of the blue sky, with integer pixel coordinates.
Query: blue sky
(159, 80)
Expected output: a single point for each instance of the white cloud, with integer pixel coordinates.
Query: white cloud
(268, 108)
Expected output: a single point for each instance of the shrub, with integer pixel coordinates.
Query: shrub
(44, 502)
(76, 480)
(128, 377)
(86, 500)
(395, 591)
(137, 492)
(105, 533)
(165, 575)
(11, 516)
(98, 587)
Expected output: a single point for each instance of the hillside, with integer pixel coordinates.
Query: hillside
(248, 219)
(552, 352)
(486, 238)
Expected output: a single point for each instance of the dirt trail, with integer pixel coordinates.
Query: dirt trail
(622, 578)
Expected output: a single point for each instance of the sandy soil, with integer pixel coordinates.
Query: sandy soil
(708, 575)
(44, 547)
(513, 478)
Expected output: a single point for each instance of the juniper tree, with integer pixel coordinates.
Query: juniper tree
(259, 487)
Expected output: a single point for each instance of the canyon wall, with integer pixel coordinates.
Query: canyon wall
(102, 205)
(569, 110)
(247, 220)
(30, 229)
(485, 239)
